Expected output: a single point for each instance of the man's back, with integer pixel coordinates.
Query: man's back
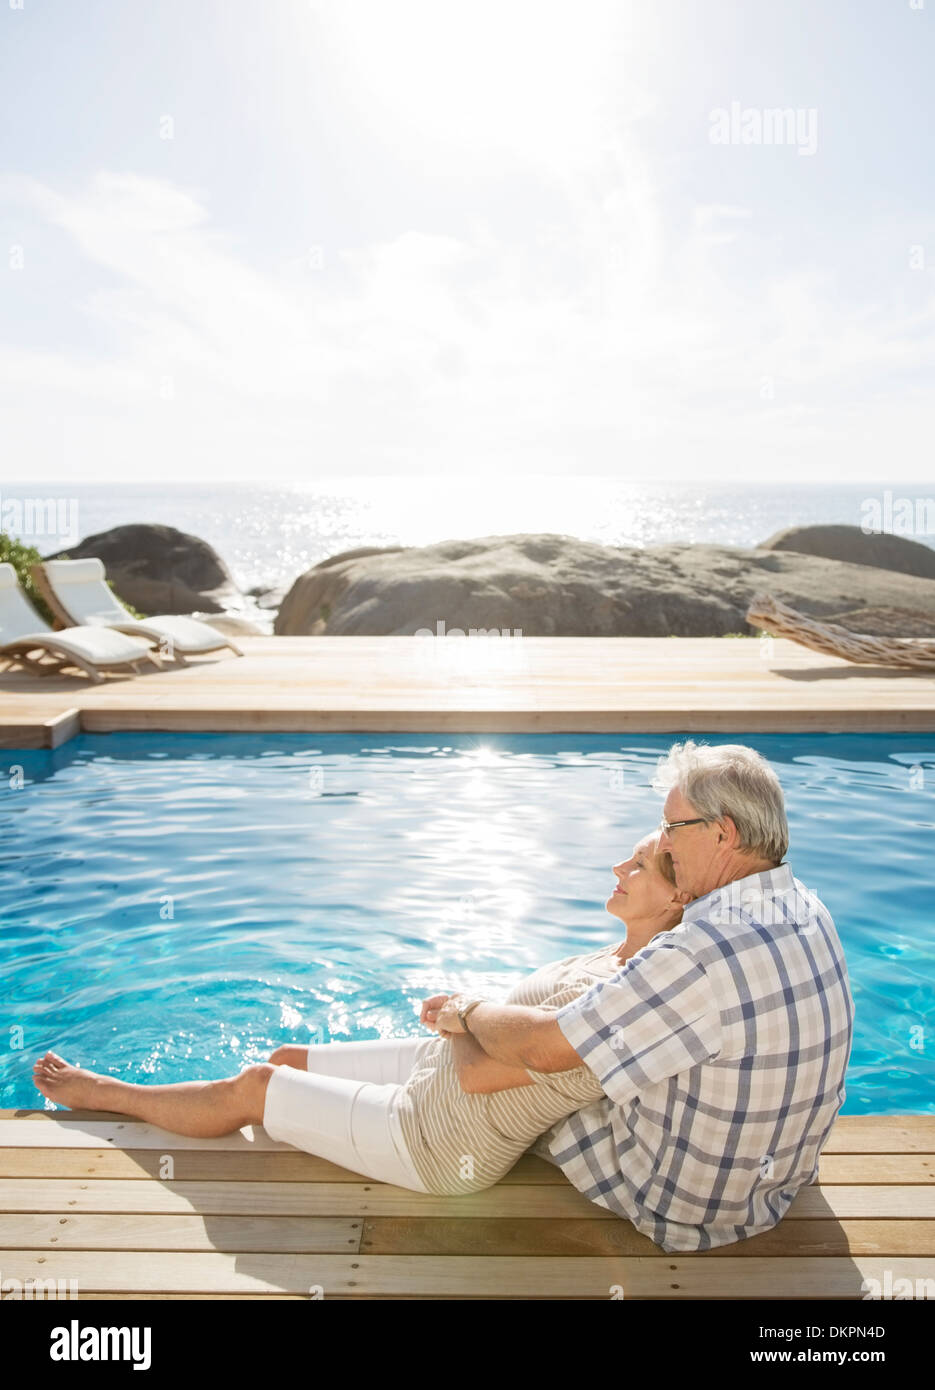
(722, 1048)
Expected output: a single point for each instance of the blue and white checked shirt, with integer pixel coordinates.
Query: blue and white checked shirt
(722, 1048)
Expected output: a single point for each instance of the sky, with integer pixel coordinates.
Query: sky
(669, 240)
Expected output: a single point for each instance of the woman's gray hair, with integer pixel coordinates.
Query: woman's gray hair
(729, 779)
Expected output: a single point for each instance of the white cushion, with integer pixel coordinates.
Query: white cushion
(80, 588)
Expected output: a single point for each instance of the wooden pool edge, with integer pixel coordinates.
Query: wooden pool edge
(398, 684)
(54, 733)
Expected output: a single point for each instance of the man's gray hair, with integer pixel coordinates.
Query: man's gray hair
(730, 779)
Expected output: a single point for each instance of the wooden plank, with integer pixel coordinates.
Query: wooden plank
(296, 1166)
(865, 1134)
(167, 1297)
(132, 1134)
(21, 1113)
(872, 1168)
(188, 1165)
(506, 1276)
(448, 1236)
(385, 684)
(495, 1236)
(382, 1199)
(679, 720)
(22, 732)
(214, 1272)
(863, 1131)
(850, 1134)
(283, 1199)
(48, 1231)
(62, 727)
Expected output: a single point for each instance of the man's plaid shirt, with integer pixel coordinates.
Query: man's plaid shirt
(722, 1048)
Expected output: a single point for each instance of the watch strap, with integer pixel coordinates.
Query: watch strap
(463, 1013)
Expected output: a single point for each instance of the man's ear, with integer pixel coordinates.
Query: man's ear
(728, 829)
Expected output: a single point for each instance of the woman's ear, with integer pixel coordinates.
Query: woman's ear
(683, 897)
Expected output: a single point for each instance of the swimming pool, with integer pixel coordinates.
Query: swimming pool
(177, 905)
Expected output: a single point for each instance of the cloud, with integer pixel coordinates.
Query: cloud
(617, 338)
(717, 223)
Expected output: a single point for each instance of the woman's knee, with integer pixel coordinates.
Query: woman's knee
(290, 1055)
(251, 1086)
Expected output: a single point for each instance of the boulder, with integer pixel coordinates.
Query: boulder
(855, 546)
(552, 585)
(158, 569)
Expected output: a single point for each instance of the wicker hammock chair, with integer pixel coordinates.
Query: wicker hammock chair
(782, 621)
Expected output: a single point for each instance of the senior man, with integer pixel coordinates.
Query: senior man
(721, 1046)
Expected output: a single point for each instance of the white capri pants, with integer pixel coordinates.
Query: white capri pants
(344, 1108)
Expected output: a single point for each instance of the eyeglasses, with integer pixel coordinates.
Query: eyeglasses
(666, 825)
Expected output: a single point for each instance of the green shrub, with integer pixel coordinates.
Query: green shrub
(21, 557)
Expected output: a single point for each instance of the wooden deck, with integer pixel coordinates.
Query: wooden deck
(507, 684)
(85, 1196)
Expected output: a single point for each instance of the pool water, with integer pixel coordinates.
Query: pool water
(176, 906)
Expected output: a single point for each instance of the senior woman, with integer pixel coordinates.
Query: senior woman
(431, 1114)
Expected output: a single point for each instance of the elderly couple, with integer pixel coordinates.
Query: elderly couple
(686, 1079)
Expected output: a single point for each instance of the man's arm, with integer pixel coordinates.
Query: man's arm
(479, 1074)
(516, 1035)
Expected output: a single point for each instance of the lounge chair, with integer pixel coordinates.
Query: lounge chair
(26, 640)
(831, 639)
(77, 592)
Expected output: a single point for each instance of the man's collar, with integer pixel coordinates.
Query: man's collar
(739, 890)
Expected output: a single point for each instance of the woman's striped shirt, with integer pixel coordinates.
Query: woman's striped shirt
(463, 1143)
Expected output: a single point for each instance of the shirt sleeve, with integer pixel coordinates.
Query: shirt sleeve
(580, 1084)
(579, 1080)
(655, 1018)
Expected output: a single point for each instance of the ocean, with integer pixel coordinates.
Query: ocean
(269, 535)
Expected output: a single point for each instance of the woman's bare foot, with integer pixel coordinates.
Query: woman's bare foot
(68, 1085)
(203, 1109)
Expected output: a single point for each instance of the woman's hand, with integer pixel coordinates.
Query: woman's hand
(447, 1015)
(431, 1008)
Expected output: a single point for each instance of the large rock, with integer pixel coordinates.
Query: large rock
(158, 569)
(558, 586)
(857, 547)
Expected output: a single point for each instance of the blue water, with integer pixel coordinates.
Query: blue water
(175, 906)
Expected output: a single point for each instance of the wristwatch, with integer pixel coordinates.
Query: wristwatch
(463, 1012)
